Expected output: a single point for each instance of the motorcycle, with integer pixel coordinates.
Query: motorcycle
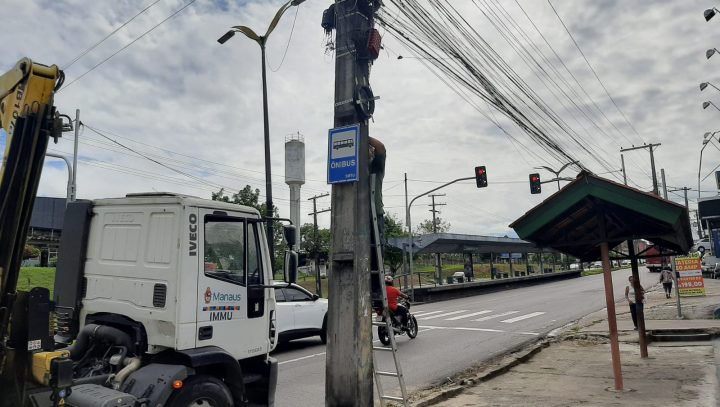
(411, 329)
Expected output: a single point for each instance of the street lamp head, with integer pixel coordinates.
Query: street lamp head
(709, 53)
(705, 105)
(226, 36)
(296, 2)
(709, 13)
(706, 135)
(703, 86)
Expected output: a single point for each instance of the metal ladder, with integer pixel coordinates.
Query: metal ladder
(386, 313)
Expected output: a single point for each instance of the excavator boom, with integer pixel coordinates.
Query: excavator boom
(28, 117)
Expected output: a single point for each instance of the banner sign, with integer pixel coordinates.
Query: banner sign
(690, 280)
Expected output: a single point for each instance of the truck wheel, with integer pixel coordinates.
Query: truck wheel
(323, 332)
(202, 391)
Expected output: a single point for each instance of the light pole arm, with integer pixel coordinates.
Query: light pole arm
(407, 216)
(70, 173)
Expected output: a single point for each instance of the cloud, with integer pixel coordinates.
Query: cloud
(201, 102)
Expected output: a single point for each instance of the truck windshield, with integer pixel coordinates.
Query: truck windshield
(225, 250)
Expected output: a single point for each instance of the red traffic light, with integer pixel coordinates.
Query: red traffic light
(535, 186)
(481, 176)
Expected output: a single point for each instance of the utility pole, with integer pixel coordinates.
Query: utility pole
(73, 192)
(438, 264)
(316, 243)
(622, 160)
(348, 366)
(656, 191)
(409, 252)
(662, 175)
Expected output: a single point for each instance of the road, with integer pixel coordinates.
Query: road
(457, 334)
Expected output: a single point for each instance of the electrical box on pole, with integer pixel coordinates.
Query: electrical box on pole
(481, 176)
(535, 187)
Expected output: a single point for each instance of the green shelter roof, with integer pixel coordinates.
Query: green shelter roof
(591, 210)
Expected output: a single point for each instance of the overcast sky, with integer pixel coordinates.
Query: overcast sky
(179, 97)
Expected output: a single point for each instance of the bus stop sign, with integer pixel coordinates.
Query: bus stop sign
(343, 154)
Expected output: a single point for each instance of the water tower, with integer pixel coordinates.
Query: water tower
(295, 173)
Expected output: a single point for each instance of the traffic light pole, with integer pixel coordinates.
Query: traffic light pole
(409, 223)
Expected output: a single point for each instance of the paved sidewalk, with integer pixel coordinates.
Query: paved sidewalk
(576, 369)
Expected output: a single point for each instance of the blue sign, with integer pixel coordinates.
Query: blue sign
(343, 154)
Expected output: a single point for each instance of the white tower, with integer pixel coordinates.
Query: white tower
(295, 173)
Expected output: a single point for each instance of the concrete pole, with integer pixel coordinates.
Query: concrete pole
(654, 175)
(638, 299)
(348, 366)
(73, 192)
(622, 160)
(662, 175)
(612, 319)
(438, 259)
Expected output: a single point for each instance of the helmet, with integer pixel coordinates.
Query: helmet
(388, 279)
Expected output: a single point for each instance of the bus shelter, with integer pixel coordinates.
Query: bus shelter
(592, 215)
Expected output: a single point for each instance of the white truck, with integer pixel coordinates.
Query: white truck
(163, 300)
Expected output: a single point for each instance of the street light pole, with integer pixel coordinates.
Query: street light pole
(261, 41)
(557, 173)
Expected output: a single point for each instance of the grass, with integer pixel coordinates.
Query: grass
(36, 277)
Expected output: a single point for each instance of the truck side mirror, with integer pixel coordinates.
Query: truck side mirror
(290, 235)
(291, 266)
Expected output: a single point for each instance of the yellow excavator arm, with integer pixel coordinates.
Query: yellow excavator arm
(29, 119)
(23, 90)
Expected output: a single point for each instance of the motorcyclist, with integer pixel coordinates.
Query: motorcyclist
(392, 296)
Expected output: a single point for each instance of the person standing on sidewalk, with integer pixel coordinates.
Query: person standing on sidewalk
(630, 297)
(666, 279)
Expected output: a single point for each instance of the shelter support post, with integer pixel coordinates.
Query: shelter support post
(638, 299)
(612, 320)
(492, 275)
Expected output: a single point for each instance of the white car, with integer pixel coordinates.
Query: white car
(300, 313)
(702, 246)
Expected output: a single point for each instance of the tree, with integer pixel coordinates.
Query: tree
(309, 244)
(393, 228)
(426, 226)
(30, 252)
(249, 197)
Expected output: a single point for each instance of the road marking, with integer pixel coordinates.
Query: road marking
(302, 358)
(460, 328)
(520, 318)
(422, 314)
(443, 315)
(495, 316)
(468, 315)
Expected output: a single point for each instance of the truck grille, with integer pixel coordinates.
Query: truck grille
(159, 295)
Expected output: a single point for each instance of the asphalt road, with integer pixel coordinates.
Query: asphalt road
(457, 334)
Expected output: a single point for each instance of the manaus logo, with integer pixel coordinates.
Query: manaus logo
(208, 295)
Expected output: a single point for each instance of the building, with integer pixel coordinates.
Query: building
(46, 224)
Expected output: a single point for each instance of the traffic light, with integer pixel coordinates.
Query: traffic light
(535, 186)
(481, 176)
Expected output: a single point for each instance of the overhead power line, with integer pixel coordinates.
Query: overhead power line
(129, 44)
(97, 44)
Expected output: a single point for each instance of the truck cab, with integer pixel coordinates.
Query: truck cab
(185, 283)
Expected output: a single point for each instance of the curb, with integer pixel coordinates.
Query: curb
(523, 356)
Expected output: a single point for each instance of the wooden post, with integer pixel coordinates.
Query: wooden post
(612, 320)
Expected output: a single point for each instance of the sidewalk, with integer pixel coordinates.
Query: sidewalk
(575, 368)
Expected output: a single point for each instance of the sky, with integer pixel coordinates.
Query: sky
(179, 99)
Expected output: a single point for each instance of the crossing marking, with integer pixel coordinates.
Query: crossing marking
(495, 316)
(444, 315)
(462, 328)
(468, 315)
(424, 313)
(520, 318)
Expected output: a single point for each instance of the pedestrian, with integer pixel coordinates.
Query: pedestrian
(630, 297)
(666, 278)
